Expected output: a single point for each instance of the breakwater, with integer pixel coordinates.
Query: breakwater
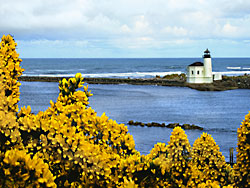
(170, 125)
(227, 83)
(139, 81)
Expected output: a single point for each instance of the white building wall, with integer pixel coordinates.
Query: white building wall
(196, 74)
(217, 76)
(208, 80)
(208, 67)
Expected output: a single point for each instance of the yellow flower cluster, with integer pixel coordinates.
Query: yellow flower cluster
(144, 171)
(242, 166)
(128, 184)
(68, 145)
(212, 184)
(157, 150)
(75, 142)
(9, 132)
(210, 162)
(164, 166)
(20, 170)
(10, 70)
(68, 93)
(179, 150)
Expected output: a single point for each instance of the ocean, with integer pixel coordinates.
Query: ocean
(219, 113)
(133, 68)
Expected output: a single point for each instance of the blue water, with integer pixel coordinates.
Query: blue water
(219, 113)
(128, 67)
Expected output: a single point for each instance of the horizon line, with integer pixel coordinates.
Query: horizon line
(123, 57)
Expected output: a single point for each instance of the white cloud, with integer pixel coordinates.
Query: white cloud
(230, 30)
(125, 29)
(137, 24)
(175, 31)
(112, 17)
(54, 43)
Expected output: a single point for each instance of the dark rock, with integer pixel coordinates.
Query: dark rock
(162, 125)
(154, 124)
(186, 126)
(149, 124)
(170, 125)
(131, 122)
(173, 125)
(196, 127)
(137, 123)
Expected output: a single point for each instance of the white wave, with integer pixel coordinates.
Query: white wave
(50, 70)
(130, 74)
(50, 75)
(56, 70)
(234, 68)
(233, 73)
(110, 75)
(246, 68)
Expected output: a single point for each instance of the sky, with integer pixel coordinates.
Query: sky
(127, 28)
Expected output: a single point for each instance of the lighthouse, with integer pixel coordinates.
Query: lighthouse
(208, 76)
(199, 73)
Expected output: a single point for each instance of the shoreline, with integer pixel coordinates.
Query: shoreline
(227, 83)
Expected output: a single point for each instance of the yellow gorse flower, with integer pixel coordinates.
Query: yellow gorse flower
(242, 166)
(210, 161)
(22, 170)
(10, 70)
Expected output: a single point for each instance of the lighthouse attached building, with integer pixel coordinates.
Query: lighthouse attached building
(199, 72)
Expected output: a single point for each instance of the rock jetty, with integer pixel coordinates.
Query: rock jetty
(134, 81)
(227, 82)
(170, 125)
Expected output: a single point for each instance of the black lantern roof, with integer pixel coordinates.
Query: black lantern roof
(207, 51)
(207, 54)
(196, 64)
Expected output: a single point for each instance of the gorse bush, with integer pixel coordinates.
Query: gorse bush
(209, 161)
(10, 71)
(68, 145)
(242, 167)
(18, 168)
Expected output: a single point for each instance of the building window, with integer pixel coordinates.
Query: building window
(198, 72)
(192, 72)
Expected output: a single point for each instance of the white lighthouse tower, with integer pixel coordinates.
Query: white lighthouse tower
(208, 75)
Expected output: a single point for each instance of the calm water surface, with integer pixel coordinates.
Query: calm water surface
(219, 113)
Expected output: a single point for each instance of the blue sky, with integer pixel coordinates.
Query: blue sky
(127, 28)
